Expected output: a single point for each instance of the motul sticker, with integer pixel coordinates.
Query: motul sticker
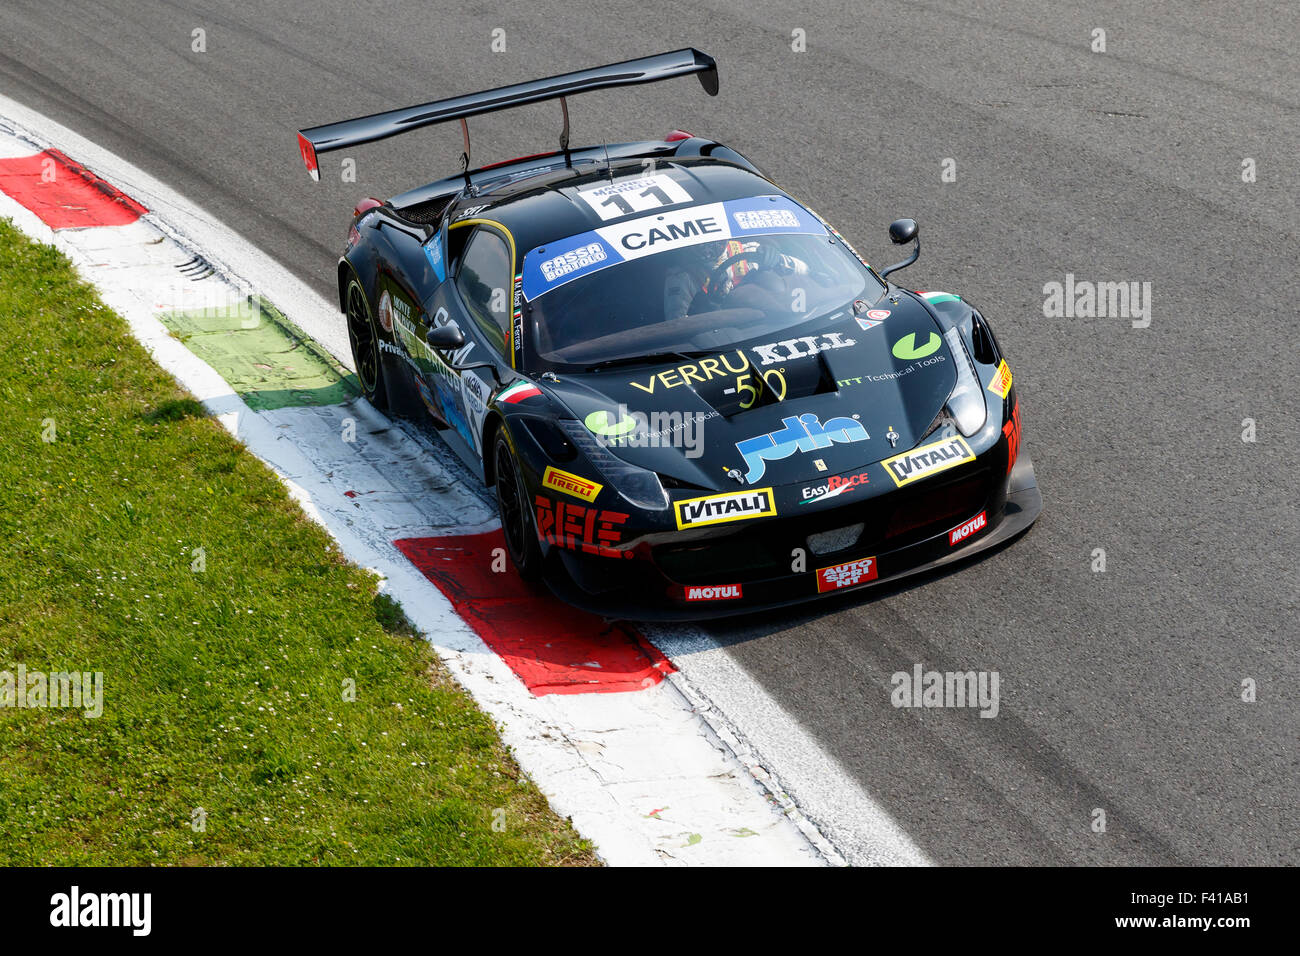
(846, 575)
(964, 531)
(713, 592)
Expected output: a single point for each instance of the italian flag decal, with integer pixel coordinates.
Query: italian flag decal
(936, 297)
(513, 394)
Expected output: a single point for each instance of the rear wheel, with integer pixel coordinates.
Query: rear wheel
(364, 338)
(516, 515)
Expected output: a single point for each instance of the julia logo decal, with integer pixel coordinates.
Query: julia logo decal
(598, 423)
(801, 434)
(928, 460)
(1001, 383)
(730, 506)
(386, 311)
(878, 314)
(907, 349)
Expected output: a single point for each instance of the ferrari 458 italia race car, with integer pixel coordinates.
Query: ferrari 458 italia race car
(692, 395)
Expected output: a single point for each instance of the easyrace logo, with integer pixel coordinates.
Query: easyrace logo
(717, 509)
(928, 460)
(833, 488)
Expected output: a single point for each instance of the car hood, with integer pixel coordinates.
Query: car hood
(844, 393)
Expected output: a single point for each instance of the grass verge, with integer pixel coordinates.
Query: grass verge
(225, 735)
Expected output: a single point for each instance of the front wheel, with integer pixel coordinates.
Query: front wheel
(516, 515)
(364, 338)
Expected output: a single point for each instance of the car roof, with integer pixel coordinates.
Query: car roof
(538, 206)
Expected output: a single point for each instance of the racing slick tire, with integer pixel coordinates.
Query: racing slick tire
(363, 336)
(513, 508)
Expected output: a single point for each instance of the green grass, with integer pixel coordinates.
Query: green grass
(223, 688)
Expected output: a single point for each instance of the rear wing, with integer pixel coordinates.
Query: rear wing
(366, 129)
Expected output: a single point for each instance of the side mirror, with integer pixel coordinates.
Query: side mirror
(445, 337)
(902, 231)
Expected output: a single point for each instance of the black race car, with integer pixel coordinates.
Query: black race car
(692, 394)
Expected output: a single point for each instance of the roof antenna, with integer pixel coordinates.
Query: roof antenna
(464, 157)
(564, 133)
(608, 169)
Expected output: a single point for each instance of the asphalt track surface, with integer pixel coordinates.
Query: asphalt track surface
(1120, 690)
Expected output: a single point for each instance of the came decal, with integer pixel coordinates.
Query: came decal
(550, 266)
(571, 484)
(801, 434)
(928, 460)
(846, 575)
(732, 506)
(964, 531)
(580, 528)
(833, 488)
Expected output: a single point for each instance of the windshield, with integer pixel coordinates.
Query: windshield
(594, 303)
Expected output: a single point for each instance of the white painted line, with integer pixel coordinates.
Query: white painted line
(837, 815)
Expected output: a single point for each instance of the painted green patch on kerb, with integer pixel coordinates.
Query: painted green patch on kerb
(265, 358)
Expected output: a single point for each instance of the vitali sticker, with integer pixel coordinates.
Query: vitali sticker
(928, 460)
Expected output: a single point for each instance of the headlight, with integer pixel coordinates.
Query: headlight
(966, 403)
(637, 485)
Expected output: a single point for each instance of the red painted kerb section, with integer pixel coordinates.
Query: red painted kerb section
(552, 647)
(64, 193)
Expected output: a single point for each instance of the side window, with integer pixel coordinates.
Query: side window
(483, 281)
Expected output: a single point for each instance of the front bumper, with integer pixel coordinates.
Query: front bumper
(657, 590)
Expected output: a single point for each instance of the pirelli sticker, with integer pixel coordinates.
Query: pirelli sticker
(717, 509)
(1001, 383)
(571, 484)
(928, 460)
